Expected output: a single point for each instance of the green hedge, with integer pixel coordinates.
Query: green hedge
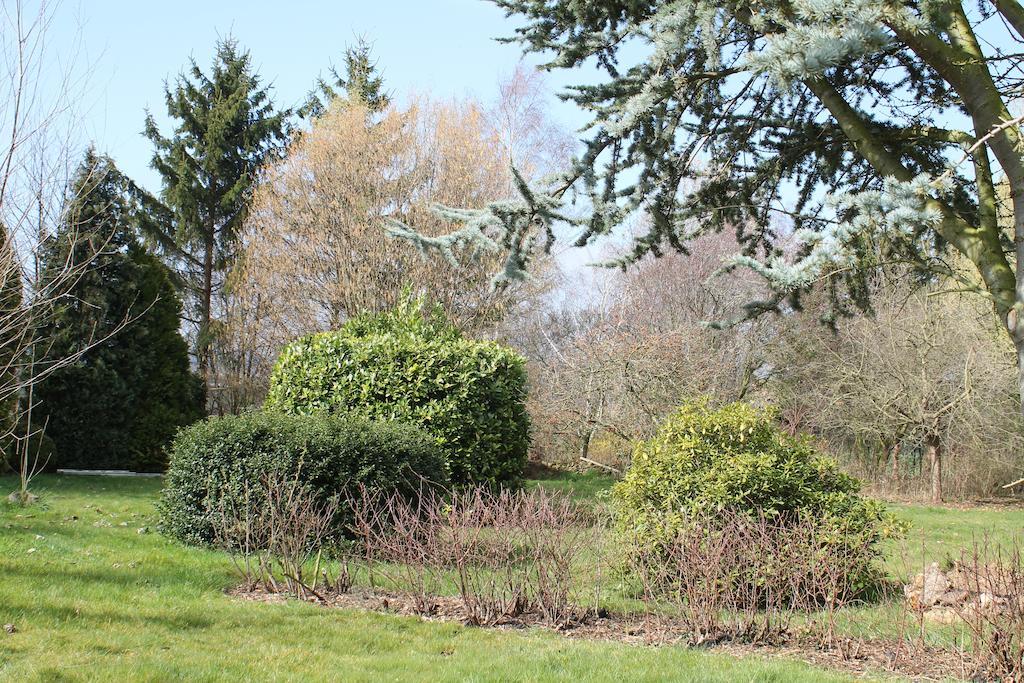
(223, 457)
(735, 458)
(410, 365)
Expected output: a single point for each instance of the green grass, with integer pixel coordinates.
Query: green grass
(938, 534)
(94, 599)
(582, 486)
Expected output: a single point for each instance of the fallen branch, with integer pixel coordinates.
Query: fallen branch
(602, 465)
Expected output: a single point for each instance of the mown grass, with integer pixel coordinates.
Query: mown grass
(939, 534)
(96, 594)
(95, 599)
(581, 486)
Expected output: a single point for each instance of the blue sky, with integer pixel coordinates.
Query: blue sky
(441, 47)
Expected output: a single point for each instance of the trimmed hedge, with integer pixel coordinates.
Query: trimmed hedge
(736, 458)
(411, 365)
(222, 457)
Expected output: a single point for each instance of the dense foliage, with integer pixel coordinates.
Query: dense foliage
(736, 459)
(120, 403)
(221, 464)
(409, 364)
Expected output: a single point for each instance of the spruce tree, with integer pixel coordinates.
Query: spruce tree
(225, 127)
(360, 84)
(119, 404)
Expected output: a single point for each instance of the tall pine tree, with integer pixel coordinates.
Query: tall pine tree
(361, 83)
(120, 403)
(225, 127)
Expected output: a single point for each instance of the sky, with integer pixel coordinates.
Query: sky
(444, 48)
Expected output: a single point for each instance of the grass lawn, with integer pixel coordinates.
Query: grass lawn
(94, 599)
(96, 594)
(938, 534)
(583, 486)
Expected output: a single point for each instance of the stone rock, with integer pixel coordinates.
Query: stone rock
(984, 579)
(927, 588)
(962, 592)
(18, 499)
(988, 601)
(952, 598)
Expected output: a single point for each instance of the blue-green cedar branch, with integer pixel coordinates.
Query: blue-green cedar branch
(842, 108)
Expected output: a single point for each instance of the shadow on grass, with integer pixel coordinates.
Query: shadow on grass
(102, 617)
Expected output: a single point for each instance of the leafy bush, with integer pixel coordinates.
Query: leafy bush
(409, 364)
(735, 459)
(223, 463)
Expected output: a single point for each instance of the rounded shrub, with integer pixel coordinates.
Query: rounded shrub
(224, 462)
(704, 461)
(410, 364)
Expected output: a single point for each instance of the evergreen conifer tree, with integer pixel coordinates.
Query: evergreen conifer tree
(361, 83)
(225, 127)
(119, 404)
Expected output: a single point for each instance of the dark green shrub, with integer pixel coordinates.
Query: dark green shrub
(411, 365)
(217, 463)
(736, 460)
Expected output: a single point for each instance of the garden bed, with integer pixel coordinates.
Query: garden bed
(857, 656)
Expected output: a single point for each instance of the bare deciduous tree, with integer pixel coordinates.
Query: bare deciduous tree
(315, 252)
(315, 249)
(38, 153)
(618, 364)
(521, 122)
(926, 383)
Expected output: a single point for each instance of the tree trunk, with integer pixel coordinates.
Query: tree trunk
(205, 308)
(894, 461)
(1018, 342)
(1014, 320)
(585, 446)
(933, 448)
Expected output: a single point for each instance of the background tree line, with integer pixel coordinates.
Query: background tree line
(162, 306)
(918, 398)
